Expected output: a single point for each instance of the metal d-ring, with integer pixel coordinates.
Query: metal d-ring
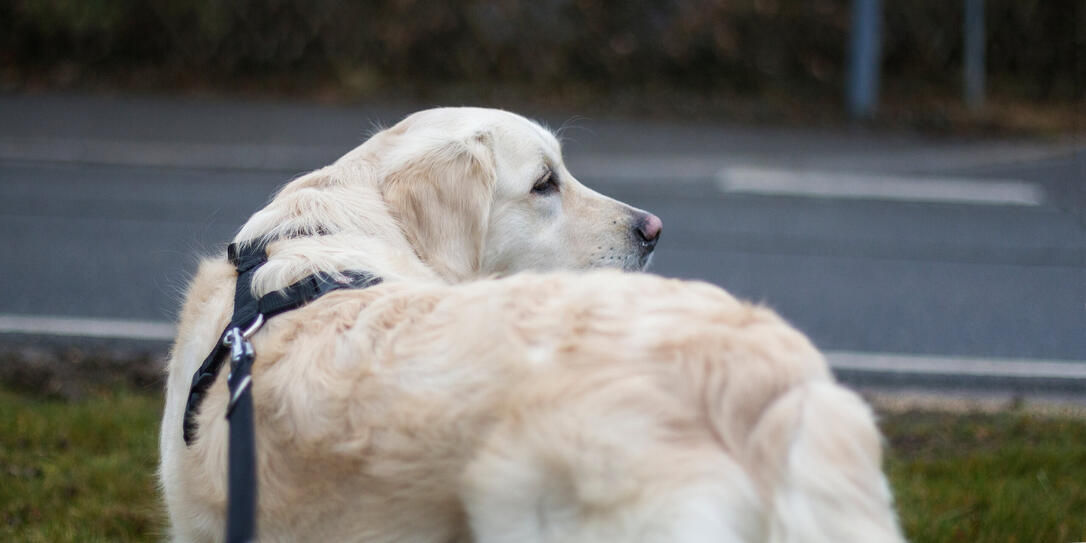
(248, 333)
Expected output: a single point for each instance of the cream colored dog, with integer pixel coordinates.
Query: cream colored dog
(444, 406)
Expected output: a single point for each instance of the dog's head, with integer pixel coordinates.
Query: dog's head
(482, 191)
(474, 192)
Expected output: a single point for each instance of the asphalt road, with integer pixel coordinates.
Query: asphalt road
(106, 204)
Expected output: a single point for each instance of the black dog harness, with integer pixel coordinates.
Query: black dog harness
(250, 314)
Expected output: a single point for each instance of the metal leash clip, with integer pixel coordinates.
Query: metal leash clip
(241, 361)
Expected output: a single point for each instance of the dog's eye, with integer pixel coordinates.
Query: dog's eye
(547, 185)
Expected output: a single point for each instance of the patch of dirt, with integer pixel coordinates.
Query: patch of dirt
(70, 371)
(967, 402)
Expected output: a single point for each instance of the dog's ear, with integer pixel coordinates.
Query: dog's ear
(441, 199)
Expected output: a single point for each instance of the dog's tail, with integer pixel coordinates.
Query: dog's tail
(819, 455)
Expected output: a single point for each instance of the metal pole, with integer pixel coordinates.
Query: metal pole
(864, 57)
(973, 53)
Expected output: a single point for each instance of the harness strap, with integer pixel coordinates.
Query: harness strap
(310, 289)
(249, 315)
(246, 258)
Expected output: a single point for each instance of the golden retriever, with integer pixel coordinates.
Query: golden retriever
(446, 405)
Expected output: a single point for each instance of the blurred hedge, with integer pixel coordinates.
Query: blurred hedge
(1036, 48)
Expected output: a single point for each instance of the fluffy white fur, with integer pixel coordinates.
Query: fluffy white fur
(443, 405)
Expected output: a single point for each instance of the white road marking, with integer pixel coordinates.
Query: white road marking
(844, 360)
(675, 167)
(86, 327)
(956, 366)
(818, 184)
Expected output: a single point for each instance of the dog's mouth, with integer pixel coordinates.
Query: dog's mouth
(634, 261)
(644, 261)
(644, 249)
(635, 254)
(638, 257)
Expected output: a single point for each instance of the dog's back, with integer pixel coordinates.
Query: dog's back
(714, 421)
(566, 407)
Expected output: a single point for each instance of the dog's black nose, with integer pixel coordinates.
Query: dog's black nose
(648, 229)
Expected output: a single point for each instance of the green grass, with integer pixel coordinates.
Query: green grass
(83, 470)
(79, 470)
(1006, 477)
